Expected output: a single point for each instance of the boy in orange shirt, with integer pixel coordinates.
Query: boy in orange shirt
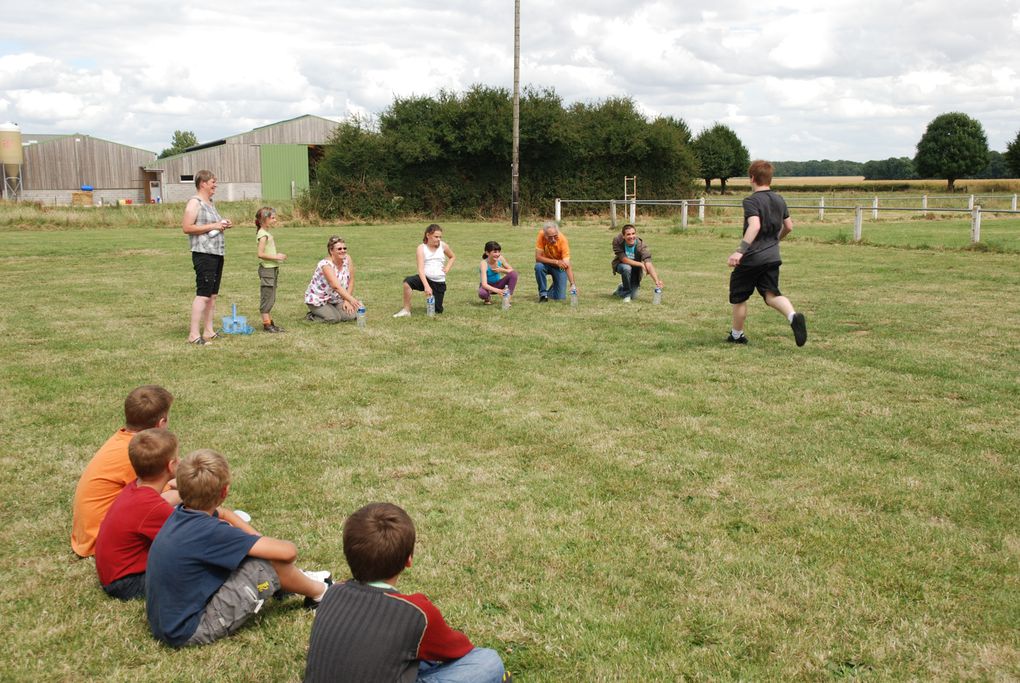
(110, 469)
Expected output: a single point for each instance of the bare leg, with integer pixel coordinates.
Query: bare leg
(208, 317)
(198, 307)
(293, 581)
(780, 303)
(739, 315)
(407, 297)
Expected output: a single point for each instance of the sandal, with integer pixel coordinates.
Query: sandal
(198, 341)
(214, 335)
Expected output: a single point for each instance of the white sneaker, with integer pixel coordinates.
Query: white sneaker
(626, 299)
(402, 313)
(320, 576)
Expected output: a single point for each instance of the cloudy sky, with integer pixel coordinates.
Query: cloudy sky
(796, 79)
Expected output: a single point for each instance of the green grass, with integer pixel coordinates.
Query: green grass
(601, 493)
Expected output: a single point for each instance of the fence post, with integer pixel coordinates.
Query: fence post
(970, 203)
(924, 203)
(683, 214)
(1012, 206)
(633, 211)
(975, 224)
(612, 213)
(701, 208)
(821, 208)
(874, 208)
(858, 223)
(558, 213)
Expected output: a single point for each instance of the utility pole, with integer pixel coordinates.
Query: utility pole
(515, 182)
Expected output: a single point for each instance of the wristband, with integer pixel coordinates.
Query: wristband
(744, 246)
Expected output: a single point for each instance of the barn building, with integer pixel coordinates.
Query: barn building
(56, 166)
(272, 162)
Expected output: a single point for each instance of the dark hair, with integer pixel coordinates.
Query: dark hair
(760, 172)
(429, 230)
(491, 245)
(378, 539)
(150, 450)
(203, 176)
(262, 215)
(146, 406)
(629, 225)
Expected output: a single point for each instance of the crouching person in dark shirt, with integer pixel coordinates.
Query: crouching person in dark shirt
(365, 630)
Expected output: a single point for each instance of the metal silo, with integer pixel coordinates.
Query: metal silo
(11, 159)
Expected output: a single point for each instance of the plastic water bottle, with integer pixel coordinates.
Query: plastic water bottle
(430, 306)
(506, 298)
(657, 296)
(361, 315)
(573, 296)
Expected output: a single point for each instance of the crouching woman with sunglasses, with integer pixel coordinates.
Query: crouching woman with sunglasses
(330, 294)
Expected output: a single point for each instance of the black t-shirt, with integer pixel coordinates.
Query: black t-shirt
(770, 208)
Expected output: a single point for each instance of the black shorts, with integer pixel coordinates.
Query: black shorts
(745, 279)
(208, 272)
(438, 289)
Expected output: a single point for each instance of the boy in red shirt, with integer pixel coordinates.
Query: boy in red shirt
(137, 515)
(365, 630)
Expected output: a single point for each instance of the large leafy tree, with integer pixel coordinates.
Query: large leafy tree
(181, 140)
(1012, 156)
(953, 146)
(720, 154)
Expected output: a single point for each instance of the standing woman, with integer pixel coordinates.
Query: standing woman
(330, 294)
(435, 258)
(204, 227)
(496, 273)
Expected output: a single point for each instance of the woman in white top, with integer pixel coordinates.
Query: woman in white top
(435, 258)
(330, 294)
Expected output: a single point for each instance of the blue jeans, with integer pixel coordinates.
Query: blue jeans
(481, 665)
(631, 278)
(559, 281)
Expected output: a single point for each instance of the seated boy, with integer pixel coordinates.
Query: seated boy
(137, 515)
(365, 630)
(205, 578)
(110, 469)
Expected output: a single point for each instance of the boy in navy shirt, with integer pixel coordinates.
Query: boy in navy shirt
(205, 578)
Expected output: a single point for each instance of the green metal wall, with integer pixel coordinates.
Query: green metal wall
(282, 164)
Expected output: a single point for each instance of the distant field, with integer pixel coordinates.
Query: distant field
(852, 183)
(606, 493)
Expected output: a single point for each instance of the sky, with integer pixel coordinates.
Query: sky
(795, 79)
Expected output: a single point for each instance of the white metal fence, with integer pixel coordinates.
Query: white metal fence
(973, 208)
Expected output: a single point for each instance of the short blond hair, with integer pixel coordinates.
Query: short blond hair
(201, 478)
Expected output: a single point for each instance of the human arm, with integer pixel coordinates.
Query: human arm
(191, 215)
(450, 257)
(787, 227)
(350, 279)
(263, 241)
(650, 269)
(753, 227)
(350, 303)
(440, 642)
(268, 548)
(570, 275)
(231, 518)
(420, 254)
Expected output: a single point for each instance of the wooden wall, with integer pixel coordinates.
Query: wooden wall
(70, 162)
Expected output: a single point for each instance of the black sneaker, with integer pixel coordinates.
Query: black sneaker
(542, 299)
(799, 326)
(742, 339)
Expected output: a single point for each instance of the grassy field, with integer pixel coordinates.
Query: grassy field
(602, 493)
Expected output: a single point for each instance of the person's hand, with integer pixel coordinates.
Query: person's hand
(281, 257)
(734, 259)
(226, 223)
(658, 283)
(428, 291)
(349, 307)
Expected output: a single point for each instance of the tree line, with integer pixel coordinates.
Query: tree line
(450, 155)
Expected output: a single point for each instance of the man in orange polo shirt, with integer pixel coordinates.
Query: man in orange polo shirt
(110, 469)
(552, 259)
